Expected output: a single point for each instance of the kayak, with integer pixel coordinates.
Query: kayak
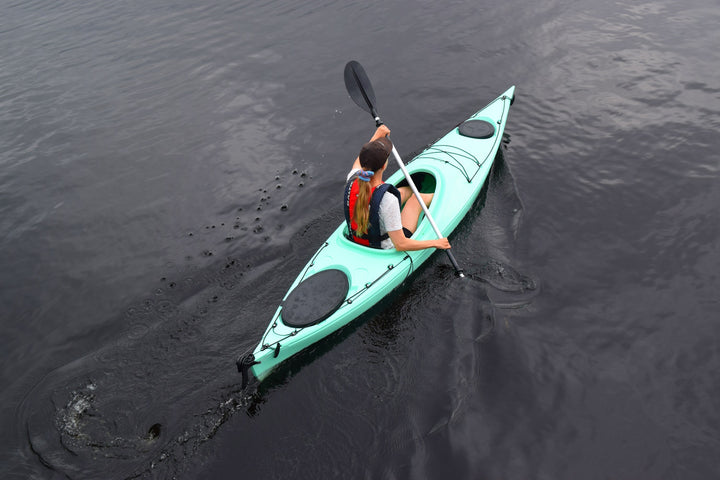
(343, 279)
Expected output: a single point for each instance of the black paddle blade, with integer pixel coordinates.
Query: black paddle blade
(359, 87)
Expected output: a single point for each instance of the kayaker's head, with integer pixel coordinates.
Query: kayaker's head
(373, 155)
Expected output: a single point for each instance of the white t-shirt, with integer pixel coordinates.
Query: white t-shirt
(389, 214)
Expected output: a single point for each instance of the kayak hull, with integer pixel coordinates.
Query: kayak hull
(455, 168)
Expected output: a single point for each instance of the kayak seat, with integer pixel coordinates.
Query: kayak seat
(315, 298)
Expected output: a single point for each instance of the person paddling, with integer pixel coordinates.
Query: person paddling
(378, 214)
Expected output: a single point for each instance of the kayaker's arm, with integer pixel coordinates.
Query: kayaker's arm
(404, 244)
(382, 131)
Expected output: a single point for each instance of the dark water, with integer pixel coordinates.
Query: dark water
(148, 151)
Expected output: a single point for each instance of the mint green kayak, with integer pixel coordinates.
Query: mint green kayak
(343, 280)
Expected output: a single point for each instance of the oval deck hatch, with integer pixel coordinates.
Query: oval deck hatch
(315, 298)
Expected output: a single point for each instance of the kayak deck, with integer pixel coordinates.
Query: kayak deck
(458, 165)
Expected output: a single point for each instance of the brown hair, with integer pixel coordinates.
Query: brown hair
(362, 208)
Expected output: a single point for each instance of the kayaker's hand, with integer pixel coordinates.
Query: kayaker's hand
(442, 243)
(382, 131)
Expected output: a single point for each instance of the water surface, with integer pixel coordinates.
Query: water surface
(167, 169)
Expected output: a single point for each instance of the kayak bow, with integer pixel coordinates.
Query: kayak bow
(343, 280)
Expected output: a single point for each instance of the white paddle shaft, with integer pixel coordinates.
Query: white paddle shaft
(422, 204)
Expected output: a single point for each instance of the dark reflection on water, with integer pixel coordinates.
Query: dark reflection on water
(167, 169)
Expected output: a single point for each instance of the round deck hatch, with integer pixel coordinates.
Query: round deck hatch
(477, 129)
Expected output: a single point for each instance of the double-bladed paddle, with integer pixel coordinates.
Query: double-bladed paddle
(360, 89)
